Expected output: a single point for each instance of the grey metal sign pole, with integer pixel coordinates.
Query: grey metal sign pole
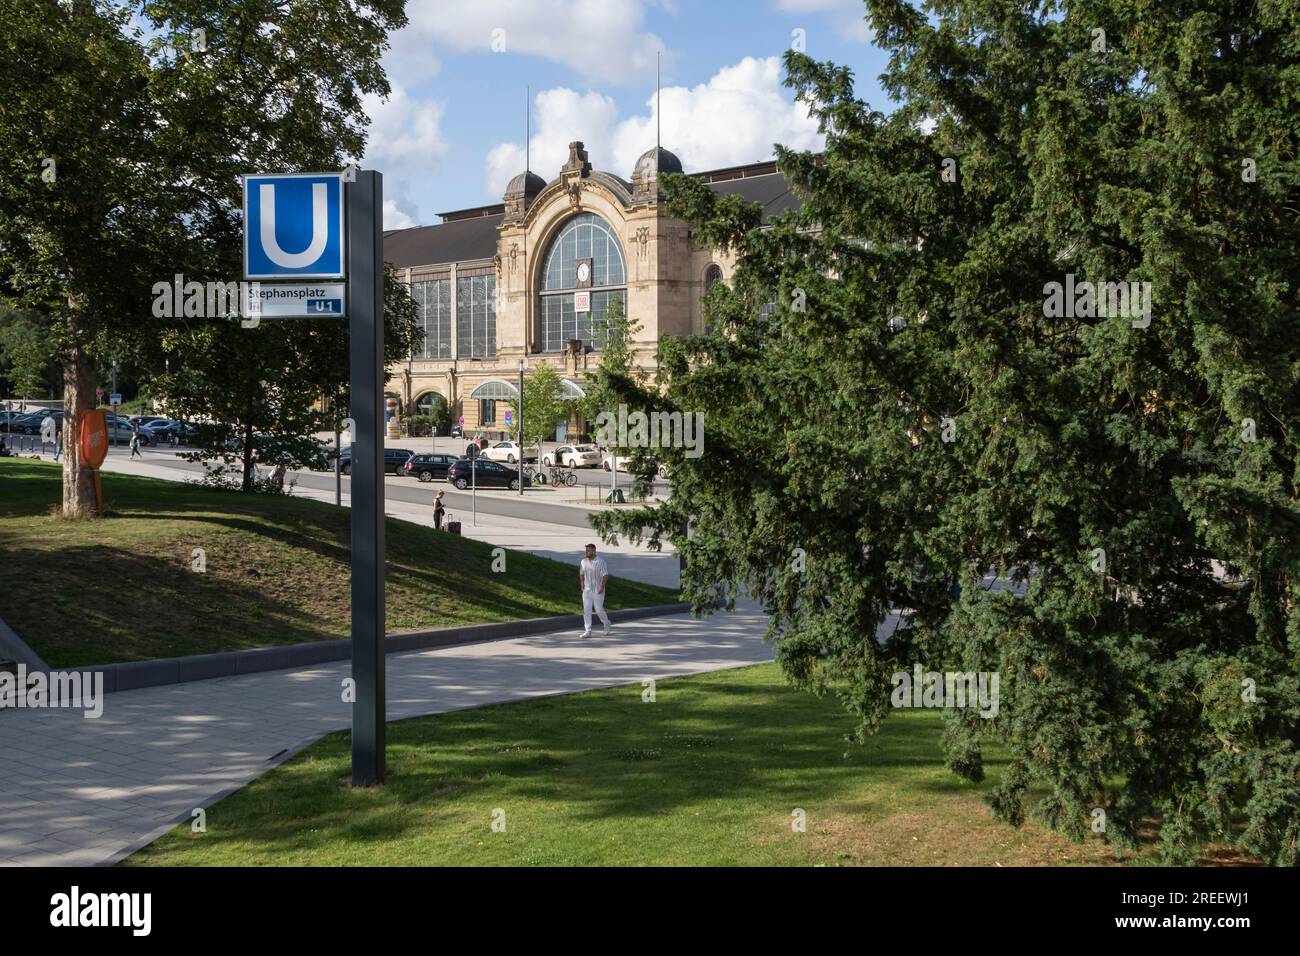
(365, 249)
(521, 428)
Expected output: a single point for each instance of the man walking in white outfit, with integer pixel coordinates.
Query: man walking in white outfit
(592, 575)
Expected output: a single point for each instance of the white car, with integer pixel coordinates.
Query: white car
(625, 462)
(508, 452)
(608, 456)
(574, 456)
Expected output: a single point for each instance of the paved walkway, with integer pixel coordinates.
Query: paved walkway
(75, 791)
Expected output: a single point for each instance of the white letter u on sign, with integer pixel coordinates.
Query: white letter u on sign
(319, 228)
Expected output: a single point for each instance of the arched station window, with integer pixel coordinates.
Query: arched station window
(585, 257)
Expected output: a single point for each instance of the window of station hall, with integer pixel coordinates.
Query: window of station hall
(433, 315)
(476, 316)
(586, 240)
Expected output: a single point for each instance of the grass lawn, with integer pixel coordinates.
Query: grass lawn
(708, 774)
(121, 588)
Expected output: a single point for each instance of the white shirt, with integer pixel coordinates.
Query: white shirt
(593, 572)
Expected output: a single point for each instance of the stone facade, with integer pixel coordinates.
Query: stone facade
(664, 279)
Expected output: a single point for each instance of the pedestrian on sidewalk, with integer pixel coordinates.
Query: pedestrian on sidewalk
(58, 442)
(135, 442)
(438, 511)
(593, 574)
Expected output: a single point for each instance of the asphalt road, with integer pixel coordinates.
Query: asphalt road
(531, 506)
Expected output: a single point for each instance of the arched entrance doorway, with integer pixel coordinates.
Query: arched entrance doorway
(429, 411)
(493, 397)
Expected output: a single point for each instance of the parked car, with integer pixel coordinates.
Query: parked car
(119, 432)
(156, 430)
(125, 428)
(395, 460)
(573, 456)
(143, 420)
(508, 451)
(607, 458)
(625, 461)
(429, 467)
(476, 447)
(8, 420)
(457, 431)
(29, 423)
(277, 450)
(484, 474)
(168, 430)
(323, 458)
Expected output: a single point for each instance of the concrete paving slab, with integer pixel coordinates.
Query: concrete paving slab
(158, 753)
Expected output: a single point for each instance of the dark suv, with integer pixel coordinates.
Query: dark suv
(395, 460)
(429, 467)
(485, 474)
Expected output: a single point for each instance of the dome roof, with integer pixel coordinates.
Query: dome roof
(527, 183)
(654, 161)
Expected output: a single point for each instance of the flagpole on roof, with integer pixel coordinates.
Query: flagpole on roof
(658, 120)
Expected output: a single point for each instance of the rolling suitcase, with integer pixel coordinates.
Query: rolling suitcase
(452, 526)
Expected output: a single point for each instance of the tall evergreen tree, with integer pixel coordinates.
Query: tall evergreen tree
(901, 405)
(616, 376)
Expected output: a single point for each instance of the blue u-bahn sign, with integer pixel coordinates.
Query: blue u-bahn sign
(293, 226)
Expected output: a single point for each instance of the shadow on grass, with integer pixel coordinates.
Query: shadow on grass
(597, 763)
(98, 604)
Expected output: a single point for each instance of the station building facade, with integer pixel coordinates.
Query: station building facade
(531, 278)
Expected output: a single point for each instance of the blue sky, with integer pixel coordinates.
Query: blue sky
(452, 132)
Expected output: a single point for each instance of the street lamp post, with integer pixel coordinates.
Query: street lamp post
(521, 428)
(338, 468)
(115, 407)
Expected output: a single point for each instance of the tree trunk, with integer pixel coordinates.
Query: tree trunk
(78, 389)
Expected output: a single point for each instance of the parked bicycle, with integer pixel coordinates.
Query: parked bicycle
(554, 475)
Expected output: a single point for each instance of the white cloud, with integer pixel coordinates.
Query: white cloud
(604, 40)
(405, 143)
(734, 118)
(403, 129)
(561, 115)
(394, 218)
(847, 16)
